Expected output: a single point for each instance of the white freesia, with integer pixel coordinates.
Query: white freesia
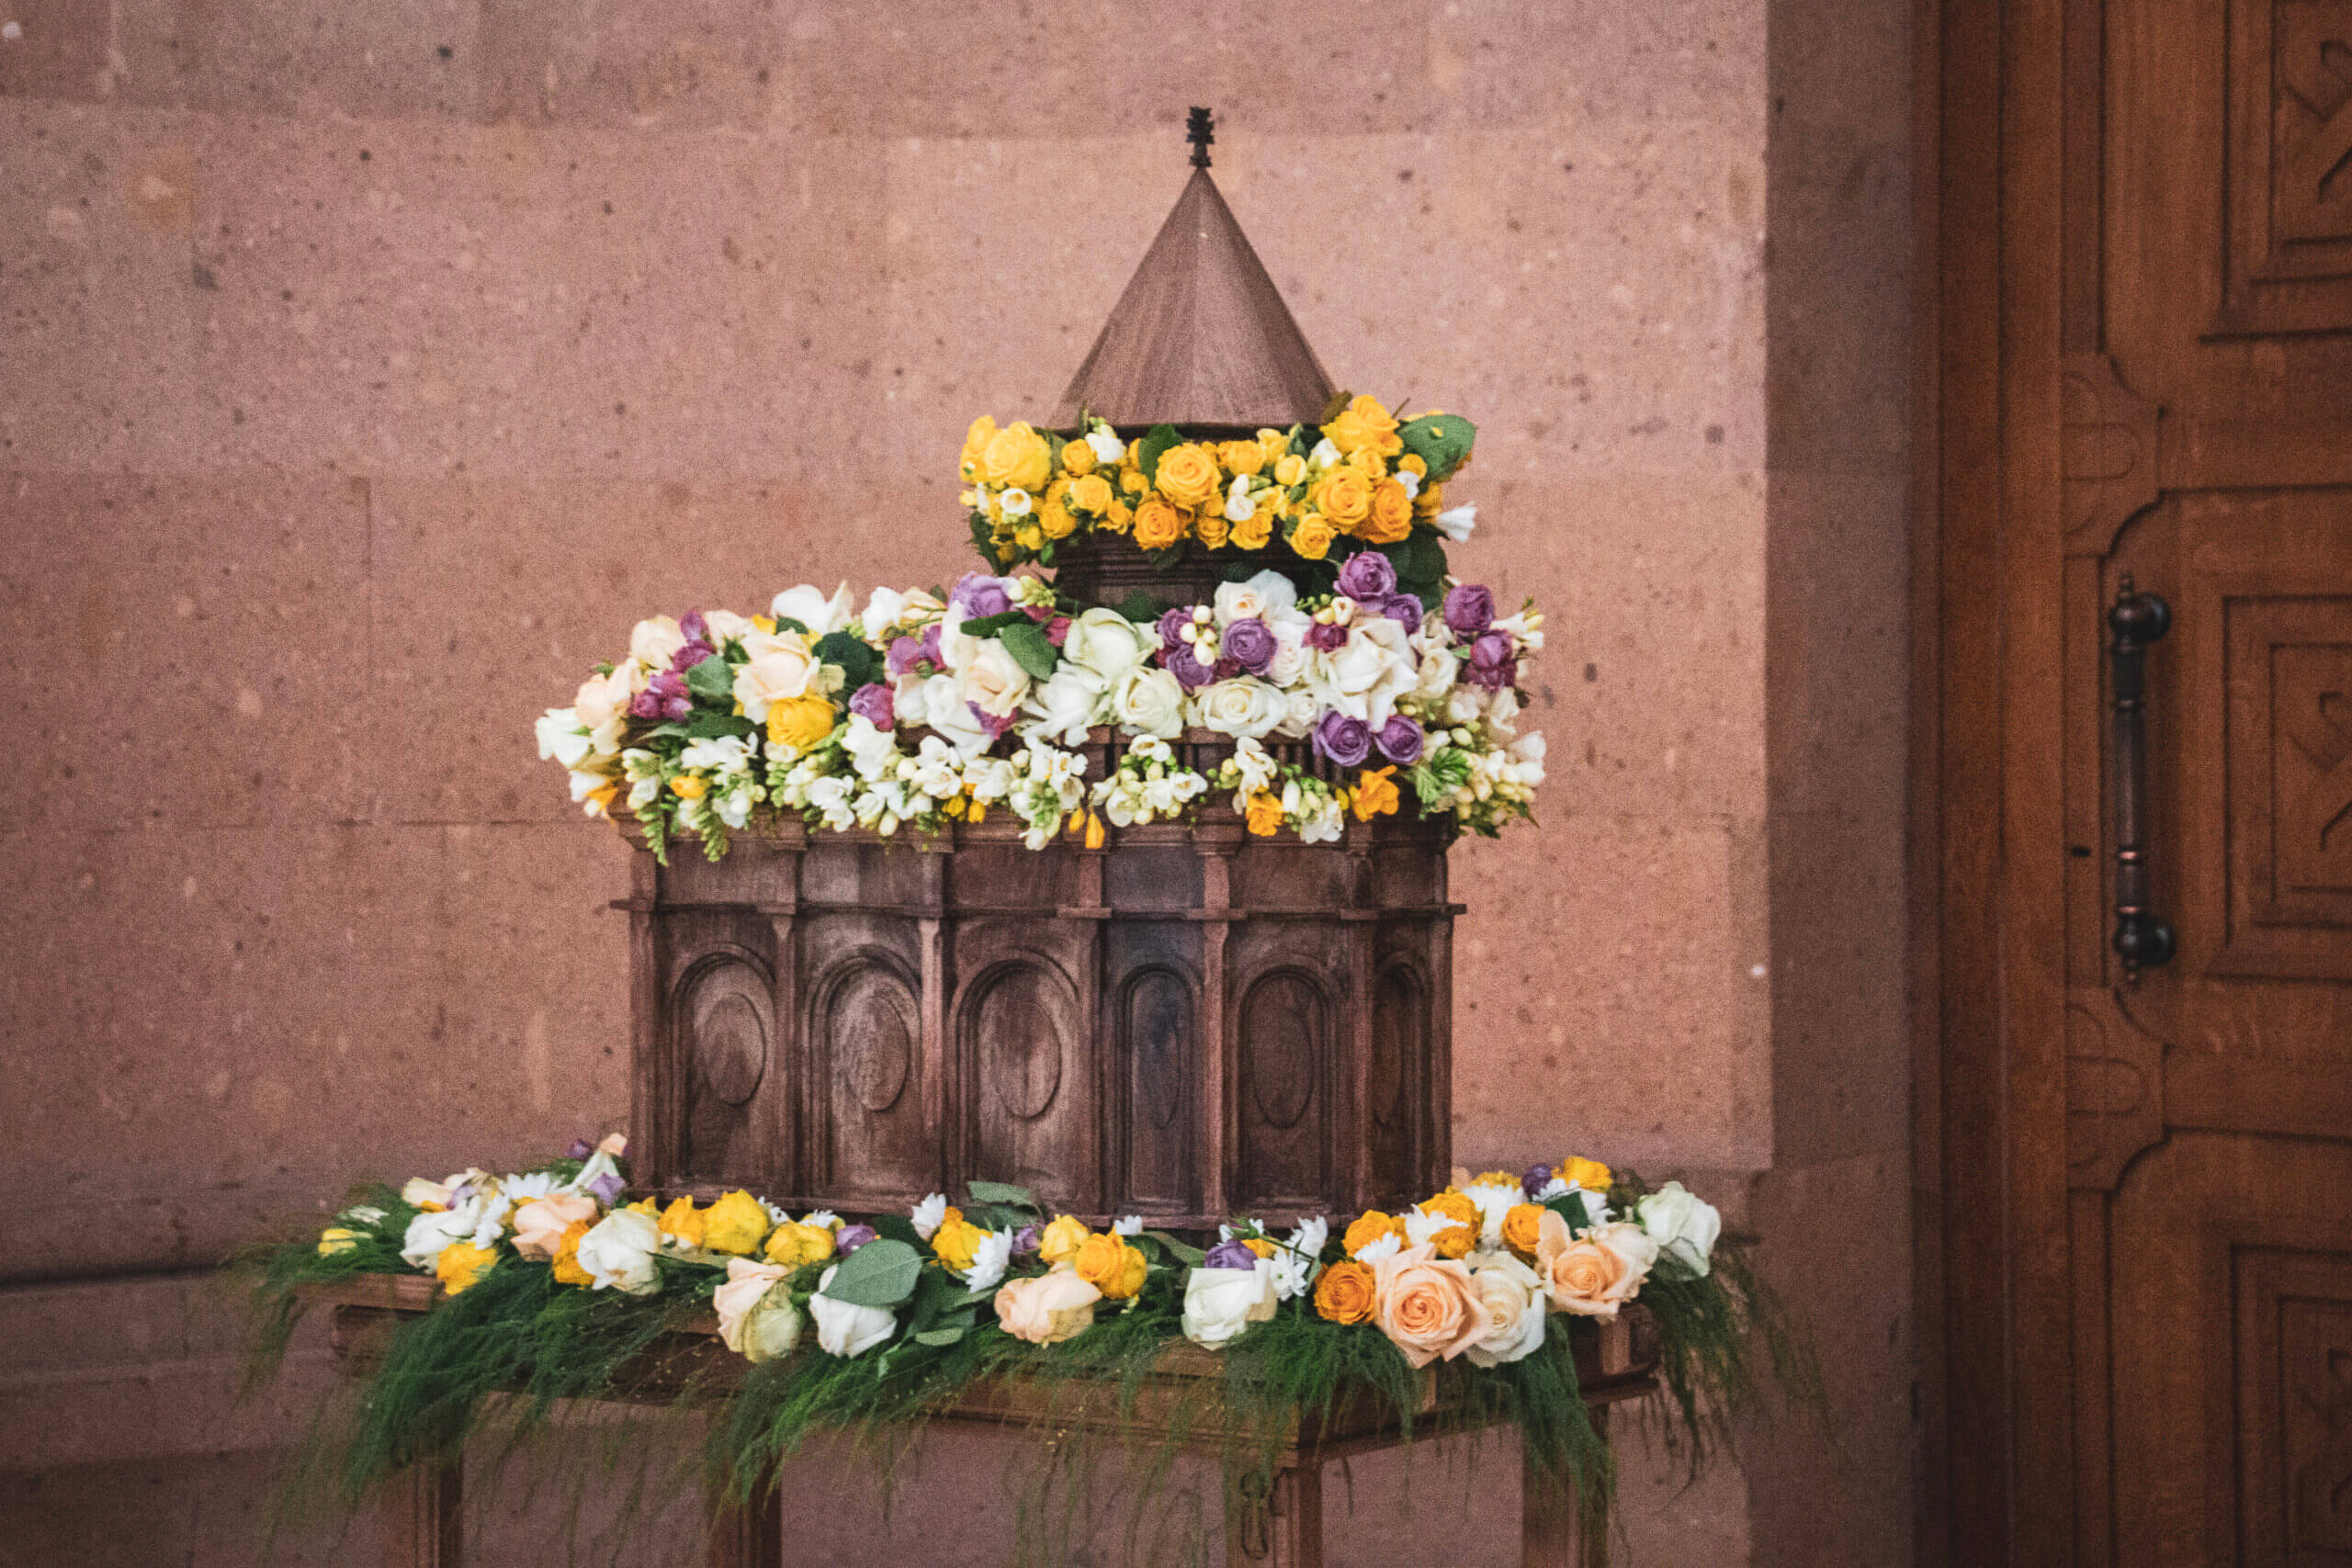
(1512, 1294)
(716, 754)
(1295, 1266)
(563, 739)
(844, 1328)
(887, 607)
(1241, 706)
(990, 1260)
(1220, 1303)
(1684, 1225)
(656, 641)
(727, 626)
(1106, 642)
(1062, 707)
(1127, 1225)
(1526, 755)
(1108, 447)
(1458, 522)
(1145, 701)
(617, 1253)
(930, 1214)
(811, 608)
(869, 749)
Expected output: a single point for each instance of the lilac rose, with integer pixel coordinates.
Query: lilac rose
(1171, 627)
(1469, 609)
(1405, 609)
(1491, 664)
(1400, 740)
(876, 704)
(1347, 741)
(1182, 663)
(1328, 636)
(1368, 575)
(849, 1238)
(1028, 1240)
(979, 595)
(1250, 645)
(1229, 1254)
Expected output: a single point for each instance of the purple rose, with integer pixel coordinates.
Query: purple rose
(1230, 1255)
(605, 1188)
(1327, 635)
(580, 1149)
(849, 1238)
(695, 628)
(1405, 609)
(1401, 740)
(665, 697)
(1028, 1240)
(1491, 664)
(1469, 609)
(1537, 1177)
(1171, 627)
(1182, 663)
(1367, 575)
(981, 595)
(876, 704)
(1347, 741)
(1250, 645)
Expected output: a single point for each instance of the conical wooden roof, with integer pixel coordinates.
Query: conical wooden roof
(1201, 336)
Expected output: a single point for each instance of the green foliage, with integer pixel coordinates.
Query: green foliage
(1025, 640)
(713, 679)
(1419, 559)
(709, 726)
(882, 1273)
(1142, 607)
(859, 664)
(1440, 440)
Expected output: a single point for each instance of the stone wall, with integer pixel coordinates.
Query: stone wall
(365, 371)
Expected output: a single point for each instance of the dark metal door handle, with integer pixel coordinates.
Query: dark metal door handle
(2142, 940)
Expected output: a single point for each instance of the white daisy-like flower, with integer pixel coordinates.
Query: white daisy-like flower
(1295, 1267)
(1130, 1225)
(929, 1215)
(1387, 1247)
(1422, 1227)
(823, 1219)
(990, 1260)
(532, 1185)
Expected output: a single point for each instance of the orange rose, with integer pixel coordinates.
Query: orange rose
(1346, 1293)
(1392, 513)
(1187, 475)
(1091, 492)
(1454, 1241)
(1428, 1307)
(1109, 1264)
(1344, 496)
(1369, 1227)
(1365, 424)
(1158, 524)
(1520, 1227)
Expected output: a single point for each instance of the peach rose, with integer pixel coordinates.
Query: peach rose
(540, 1225)
(604, 699)
(1593, 1275)
(1429, 1307)
(1047, 1309)
(748, 1284)
(655, 642)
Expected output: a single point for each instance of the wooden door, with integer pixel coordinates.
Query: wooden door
(2149, 1344)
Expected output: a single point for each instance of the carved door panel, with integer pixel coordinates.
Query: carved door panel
(2208, 457)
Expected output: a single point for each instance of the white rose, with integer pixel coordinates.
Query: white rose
(1065, 704)
(617, 1253)
(1106, 642)
(1300, 711)
(994, 680)
(1436, 675)
(1220, 1303)
(1514, 1303)
(779, 666)
(844, 1328)
(1239, 706)
(886, 607)
(1264, 596)
(563, 738)
(656, 642)
(813, 610)
(1364, 676)
(1684, 1225)
(1016, 503)
(945, 711)
(1108, 447)
(726, 626)
(1145, 701)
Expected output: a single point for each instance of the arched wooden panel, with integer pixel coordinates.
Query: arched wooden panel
(1282, 1034)
(1153, 1019)
(866, 1025)
(1019, 1032)
(724, 1013)
(1400, 1028)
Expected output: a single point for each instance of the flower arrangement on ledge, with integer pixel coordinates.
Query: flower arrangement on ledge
(926, 708)
(1364, 474)
(553, 1279)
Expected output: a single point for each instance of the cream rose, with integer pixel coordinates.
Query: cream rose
(757, 1320)
(602, 701)
(1243, 705)
(1593, 1275)
(844, 1328)
(777, 666)
(1684, 1226)
(1426, 1305)
(1049, 1308)
(1106, 642)
(1513, 1295)
(1220, 1303)
(617, 1253)
(807, 606)
(656, 642)
(1148, 701)
(540, 1224)
(1063, 706)
(1260, 597)
(993, 680)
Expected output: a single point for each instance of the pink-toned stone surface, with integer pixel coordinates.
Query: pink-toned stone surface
(364, 370)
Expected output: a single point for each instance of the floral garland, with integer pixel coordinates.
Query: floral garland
(925, 709)
(1366, 475)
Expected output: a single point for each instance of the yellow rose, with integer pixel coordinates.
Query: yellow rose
(1016, 456)
(566, 1256)
(1158, 524)
(1241, 456)
(1078, 458)
(1520, 1228)
(1265, 814)
(800, 722)
(1392, 513)
(1368, 463)
(1289, 470)
(1456, 1240)
(1344, 496)
(683, 1220)
(462, 1265)
(1259, 1245)
(1091, 492)
(1312, 539)
(976, 441)
(337, 1239)
(1411, 463)
(1369, 1227)
(1274, 444)
(1118, 517)
(690, 786)
(1365, 424)
(1132, 480)
(1109, 1264)
(1589, 1174)
(1255, 531)
(1345, 1292)
(1187, 475)
(737, 1222)
(1061, 1239)
(1211, 528)
(1430, 501)
(957, 1241)
(793, 1243)
(1056, 521)
(1376, 793)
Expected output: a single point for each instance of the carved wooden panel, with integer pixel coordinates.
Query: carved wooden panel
(2294, 1406)
(1153, 1025)
(2114, 1087)
(724, 1018)
(2289, 727)
(1391, 1083)
(2108, 450)
(1022, 1046)
(865, 1035)
(1282, 1043)
(2290, 186)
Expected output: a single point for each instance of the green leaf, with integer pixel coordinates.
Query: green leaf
(1141, 607)
(663, 731)
(939, 1337)
(1184, 1252)
(1002, 1192)
(713, 679)
(1030, 650)
(791, 623)
(879, 1274)
(993, 625)
(896, 1227)
(707, 726)
(859, 661)
(1440, 440)
(1155, 443)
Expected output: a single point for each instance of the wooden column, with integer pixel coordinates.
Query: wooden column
(419, 1517)
(1551, 1532)
(747, 1535)
(1283, 1528)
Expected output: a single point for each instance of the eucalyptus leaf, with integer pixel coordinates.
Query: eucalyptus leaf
(713, 679)
(880, 1274)
(939, 1337)
(1182, 1251)
(1026, 642)
(1002, 1192)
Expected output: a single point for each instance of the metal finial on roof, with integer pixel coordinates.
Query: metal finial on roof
(1200, 129)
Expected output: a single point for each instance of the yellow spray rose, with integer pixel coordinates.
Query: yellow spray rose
(461, 1265)
(1132, 481)
(1392, 514)
(1078, 458)
(1241, 456)
(1187, 475)
(800, 722)
(1158, 524)
(1376, 793)
(1430, 501)
(1456, 1240)
(736, 1224)
(1312, 539)
(1018, 456)
(337, 1239)
(1345, 497)
(1062, 1238)
(1274, 444)
(1365, 424)
(1111, 1265)
(1253, 532)
(1369, 1227)
(1055, 519)
(1089, 493)
(1345, 1292)
(1118, 517)
(956, 1240)
(566, 1256)
(1210, 528)
(1589, 1174)
(1289, 470)
(976, 441)
(794, 1244)
(683, 1220)
(1522, 1225)
(690, 786)
(1368, 463)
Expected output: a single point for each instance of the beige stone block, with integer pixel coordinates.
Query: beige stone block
(1837, 666)
(58, 50)
(691, 65)
(388, 60)
(187, 652)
